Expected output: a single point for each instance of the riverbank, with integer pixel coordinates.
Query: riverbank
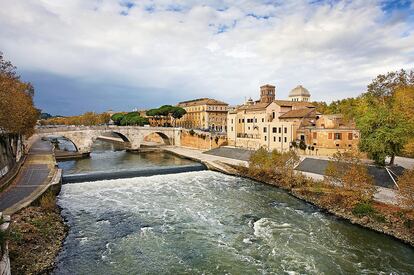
(380, 217)
(383, 218)
(36, 237)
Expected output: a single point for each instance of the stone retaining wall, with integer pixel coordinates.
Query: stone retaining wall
(5, 260)
(202, 140)
(11, 151)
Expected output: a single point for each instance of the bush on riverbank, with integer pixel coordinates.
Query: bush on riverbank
(36, 236)
(347, 194)
(406, 189)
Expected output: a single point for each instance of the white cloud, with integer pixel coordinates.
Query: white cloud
(221, 49)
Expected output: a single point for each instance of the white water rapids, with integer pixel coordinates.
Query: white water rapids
(210, 223)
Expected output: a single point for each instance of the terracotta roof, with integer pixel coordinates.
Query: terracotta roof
(294, 103)
(201, 101)
(299, 113)
(257, 106)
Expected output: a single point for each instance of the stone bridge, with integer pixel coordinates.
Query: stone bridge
(83, 137)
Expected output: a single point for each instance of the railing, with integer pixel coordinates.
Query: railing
(52, 129)
(251, 136)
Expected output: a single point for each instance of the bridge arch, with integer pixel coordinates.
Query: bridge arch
(122, 136)
(57, 137)
(166, 139)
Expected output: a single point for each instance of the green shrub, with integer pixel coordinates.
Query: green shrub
(363, 209)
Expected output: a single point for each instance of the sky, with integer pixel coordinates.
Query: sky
(96, 55)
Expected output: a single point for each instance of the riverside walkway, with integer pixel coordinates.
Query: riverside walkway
(213, 162)
(33, 177)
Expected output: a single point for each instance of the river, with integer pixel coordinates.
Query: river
(210, 223)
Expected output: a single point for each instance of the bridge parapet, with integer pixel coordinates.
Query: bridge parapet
(83, 137)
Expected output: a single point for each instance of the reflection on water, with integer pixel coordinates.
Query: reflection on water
(106, 156)
(210, 223)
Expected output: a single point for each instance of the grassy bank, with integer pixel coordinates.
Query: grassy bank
(36, 236)
(352, 201)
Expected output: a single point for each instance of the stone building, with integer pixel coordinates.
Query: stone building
(328, 134)
(204, 114)
(299, 94)
(257, 124)
(275, 124)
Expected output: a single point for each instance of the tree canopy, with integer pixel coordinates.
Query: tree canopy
(166, 110)
(131, 118)
(17, 111)
(384, 114)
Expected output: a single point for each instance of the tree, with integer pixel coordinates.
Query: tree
(347, 171)
(17, 112)
(133, 118)
(178, 113)
(384, 118)
(167, 110)
(321, 106)
(406, 189)
(302, 145)
(117, 118)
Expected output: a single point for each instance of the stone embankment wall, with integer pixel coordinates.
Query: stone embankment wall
(194, 139)
(11, 152)
(4, 251)
(202, 140)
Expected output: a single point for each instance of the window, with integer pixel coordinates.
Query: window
(350, 136)
(302, 137)
(231, 128)
(265, 138)
(273, 115)
(280, 139)
(315, 136)
(231, 121)
(285, 130)
(262, 119)
(274, 130)
(264, 129)
(329, 135)
(280, 130)
(285, 139)
(338, 136)
(239, 120)
(248, 128)
(274, 139)
(243, 120)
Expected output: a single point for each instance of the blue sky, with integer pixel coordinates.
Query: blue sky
(95, 55)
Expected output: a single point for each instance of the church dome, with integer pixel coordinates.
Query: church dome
(299, 91)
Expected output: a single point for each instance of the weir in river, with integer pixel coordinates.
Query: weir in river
(205, 222)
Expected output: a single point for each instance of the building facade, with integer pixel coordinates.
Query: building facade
(279, 124)
(257, 124)
(328, 134)
(204, 114)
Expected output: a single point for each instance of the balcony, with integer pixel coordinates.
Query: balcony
(250, 136)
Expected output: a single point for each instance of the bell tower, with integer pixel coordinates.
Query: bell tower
(267, 93)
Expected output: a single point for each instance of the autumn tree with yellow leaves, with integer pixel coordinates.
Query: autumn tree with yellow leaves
(18, 114)
(346, 170)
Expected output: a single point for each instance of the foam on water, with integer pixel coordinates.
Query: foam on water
(206, 222)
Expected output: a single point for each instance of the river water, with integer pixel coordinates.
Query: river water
(210, 223)
(106, 156)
